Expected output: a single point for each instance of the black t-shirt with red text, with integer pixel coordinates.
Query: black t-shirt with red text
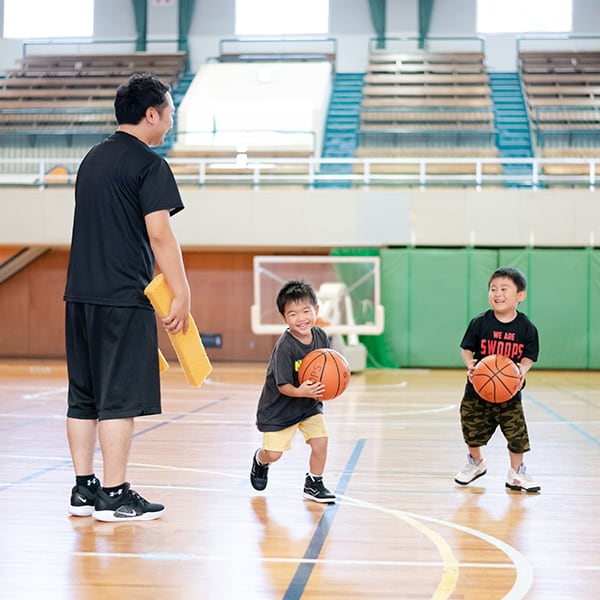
(487, 335)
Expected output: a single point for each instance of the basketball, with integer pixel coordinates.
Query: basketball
(496, 378)
(327, 366)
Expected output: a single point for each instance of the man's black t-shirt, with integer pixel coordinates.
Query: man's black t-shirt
(119, 182)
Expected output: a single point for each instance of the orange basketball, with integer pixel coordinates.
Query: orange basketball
(327, 366)
(496, 378)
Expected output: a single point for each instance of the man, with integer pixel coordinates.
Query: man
(125, 194)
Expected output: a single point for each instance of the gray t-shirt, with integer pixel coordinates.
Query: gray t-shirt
(275, 410)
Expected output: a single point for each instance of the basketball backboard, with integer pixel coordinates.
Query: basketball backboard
(348, 289)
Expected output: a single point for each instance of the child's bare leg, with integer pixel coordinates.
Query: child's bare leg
(266, 457)
(318, 455)
(475, 453)
(516, 460)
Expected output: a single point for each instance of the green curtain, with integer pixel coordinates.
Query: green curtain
(378, 19)
(140, 9)
(425, 10)
(186, 12)
(568, 328)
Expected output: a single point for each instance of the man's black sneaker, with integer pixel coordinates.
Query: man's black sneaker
(315, 490)
(259, 474)
(82, 501)
(125, 505)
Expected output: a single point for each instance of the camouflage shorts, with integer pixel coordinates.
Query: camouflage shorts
(480, 419)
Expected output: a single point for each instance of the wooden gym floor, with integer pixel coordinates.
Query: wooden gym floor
(401, 528)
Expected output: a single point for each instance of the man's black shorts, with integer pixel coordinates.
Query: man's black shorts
(112, 360)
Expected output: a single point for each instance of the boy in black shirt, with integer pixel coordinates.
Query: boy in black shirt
(501, 330)
(284, 405)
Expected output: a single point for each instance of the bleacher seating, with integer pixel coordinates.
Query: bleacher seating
(562, 93)
(118, 65)
(74, 92)
(424, 103)
(424, 98)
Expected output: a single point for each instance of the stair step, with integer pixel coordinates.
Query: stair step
(343, 113)
(513, 137)
(514, 117)
(339, 125)
(337, 122)
(343, 119)
(515, 154)
(514, 144)
(345, 97)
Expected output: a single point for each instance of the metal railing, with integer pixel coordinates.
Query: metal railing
(460, 43)
(84, 46)
(535, 173)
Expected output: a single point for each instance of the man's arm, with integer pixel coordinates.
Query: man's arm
(167, 253)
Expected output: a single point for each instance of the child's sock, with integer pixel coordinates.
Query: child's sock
(315, 477)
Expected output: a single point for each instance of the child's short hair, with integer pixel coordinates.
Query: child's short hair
(293, 291)
(514, 274)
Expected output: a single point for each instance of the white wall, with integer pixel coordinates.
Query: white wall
(287, 101)
(299, 219)
(350, 24)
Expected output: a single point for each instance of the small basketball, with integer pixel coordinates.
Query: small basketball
(327, 366)
(496, 378)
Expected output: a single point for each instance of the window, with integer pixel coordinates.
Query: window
(521, 16)
(25, 19)
(281, 17)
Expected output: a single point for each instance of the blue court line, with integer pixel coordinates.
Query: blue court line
(560, 418)
(305, 569)
(64, 463)
(178, 417)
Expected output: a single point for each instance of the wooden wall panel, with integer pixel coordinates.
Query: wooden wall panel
(32, 307)
(7, 252)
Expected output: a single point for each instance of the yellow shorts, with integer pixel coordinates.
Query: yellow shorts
(281, 441)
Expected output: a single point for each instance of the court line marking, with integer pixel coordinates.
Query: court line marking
(563, 420)
(524, 569)
(68, 461)
(444, 588)
(44, 394)
(300, 579)
(190, 556)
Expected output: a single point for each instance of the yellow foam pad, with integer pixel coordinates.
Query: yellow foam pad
(188, 346)
(163, 365)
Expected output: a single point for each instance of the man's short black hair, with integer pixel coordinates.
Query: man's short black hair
(135, 97)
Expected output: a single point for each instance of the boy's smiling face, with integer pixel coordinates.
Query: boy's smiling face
(504, 297)
(300, 317)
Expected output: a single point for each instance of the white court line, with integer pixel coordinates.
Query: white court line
(524, 569)
(62, 390)
(165, 417)
(189, 556)
(31, 416)
(28, 388)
